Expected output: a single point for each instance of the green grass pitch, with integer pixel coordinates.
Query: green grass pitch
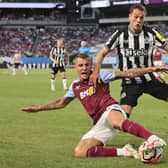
(48, 139)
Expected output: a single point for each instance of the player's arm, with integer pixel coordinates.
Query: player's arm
(52, 59)
(57, 104)
(99, 59)
(135, 72)
(68, 59)
(51, 56)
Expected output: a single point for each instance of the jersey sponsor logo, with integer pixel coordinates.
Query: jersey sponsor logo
(123, 95)
(129, 52)
(88, 92)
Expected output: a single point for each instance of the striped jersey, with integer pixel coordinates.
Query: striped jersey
(59, 54)
(95, 100)
(135, 50)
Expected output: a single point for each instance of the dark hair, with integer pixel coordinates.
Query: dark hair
(138, 6)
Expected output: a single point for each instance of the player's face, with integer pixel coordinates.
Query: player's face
(136, 19)
(83, 67)
(59, 43)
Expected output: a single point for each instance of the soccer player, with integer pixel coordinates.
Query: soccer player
(108, 117)
(135, 44)
(17, 63)
(59, 58)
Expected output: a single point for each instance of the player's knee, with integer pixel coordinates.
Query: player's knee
(116, 124)
(79, 153)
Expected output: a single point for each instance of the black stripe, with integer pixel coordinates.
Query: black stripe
(126, 46)
(146, 47)
(136, 47)
(113, 39)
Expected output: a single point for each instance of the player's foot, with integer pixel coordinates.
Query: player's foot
(129, 151)
(154, 142)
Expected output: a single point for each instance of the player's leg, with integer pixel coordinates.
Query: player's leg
(64, 78)
(92, 147)
(158, 88)
(84, 145)
(24, 68)
(53, 76)
(52, 82)
(117, 119)
(14, 69)
(129, 96)
(93, 142)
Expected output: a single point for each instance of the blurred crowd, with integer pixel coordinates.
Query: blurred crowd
(37, 41)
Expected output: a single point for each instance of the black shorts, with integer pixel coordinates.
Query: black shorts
(131, 93)
(17, 65)
(55, 69)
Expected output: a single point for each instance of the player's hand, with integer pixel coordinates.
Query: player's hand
(161, 68)
(31, 109)
(94, 78)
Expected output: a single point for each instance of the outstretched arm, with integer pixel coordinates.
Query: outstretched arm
(134, 72)
(57, 104)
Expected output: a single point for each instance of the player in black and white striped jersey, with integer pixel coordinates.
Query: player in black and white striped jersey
(59, 58)
(135, 45)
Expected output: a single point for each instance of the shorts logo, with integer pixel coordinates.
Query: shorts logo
(123, 95)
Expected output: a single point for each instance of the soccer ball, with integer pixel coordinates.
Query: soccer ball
(152, 156)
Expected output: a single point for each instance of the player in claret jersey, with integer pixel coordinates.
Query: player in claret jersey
(107, 115)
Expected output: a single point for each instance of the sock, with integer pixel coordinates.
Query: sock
(64, 82)
(120, 152)
(14, 71)
(100, 151)
(135, 129)
(52, 81)
(24, 70)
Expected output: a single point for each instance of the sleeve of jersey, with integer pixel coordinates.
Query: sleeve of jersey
(51, 52)
(70, 92)
(160, 40)
(107, 76)
(112, 41)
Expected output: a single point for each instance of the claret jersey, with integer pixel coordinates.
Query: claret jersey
(94, 100)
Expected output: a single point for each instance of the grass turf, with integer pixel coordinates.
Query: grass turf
(47, 139)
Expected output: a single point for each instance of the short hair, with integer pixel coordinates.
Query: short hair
(138, 6)
(59, 39)
(84, 56)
